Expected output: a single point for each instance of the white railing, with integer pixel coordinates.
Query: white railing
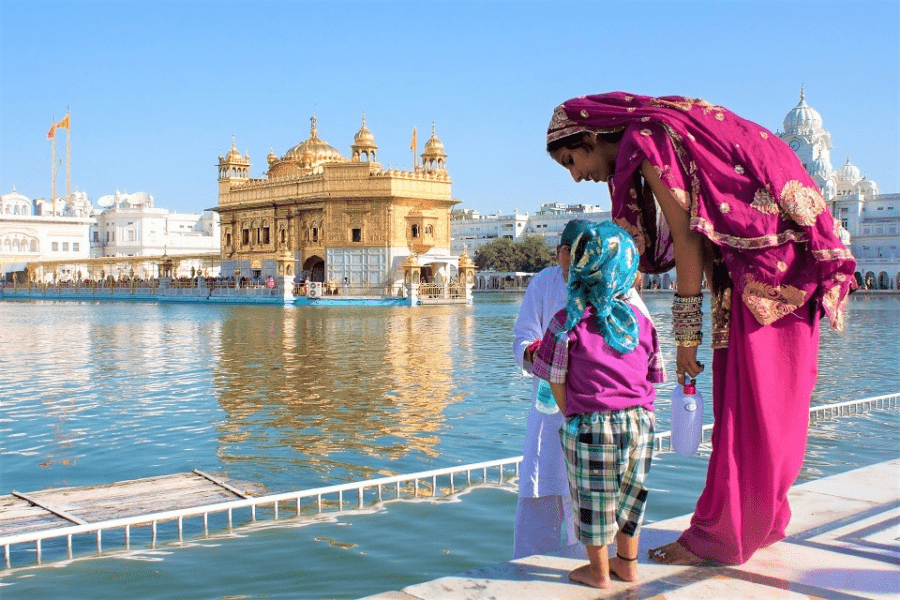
(663, 441)
(434, 291)
(853, 407)
(333, 498)
(397, 487)
(140, 291)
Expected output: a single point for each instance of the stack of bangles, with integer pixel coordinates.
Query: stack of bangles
(687, 320)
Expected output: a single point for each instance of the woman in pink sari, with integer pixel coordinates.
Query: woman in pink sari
(735, 205)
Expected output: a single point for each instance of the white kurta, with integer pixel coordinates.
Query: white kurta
(543, 468)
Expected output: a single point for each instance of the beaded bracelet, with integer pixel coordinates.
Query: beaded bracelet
(687, 320)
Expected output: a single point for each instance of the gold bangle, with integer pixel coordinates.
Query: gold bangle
(688, 343)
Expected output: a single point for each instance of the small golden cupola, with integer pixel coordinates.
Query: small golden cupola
(234, 166)
(433, 157)
(363, 144)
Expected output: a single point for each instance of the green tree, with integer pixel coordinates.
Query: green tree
(499, 255)
(534, 254)
(530, 255)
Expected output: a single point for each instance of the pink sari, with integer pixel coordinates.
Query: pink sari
(749, 195)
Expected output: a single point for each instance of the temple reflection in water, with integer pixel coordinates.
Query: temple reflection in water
(329, 390)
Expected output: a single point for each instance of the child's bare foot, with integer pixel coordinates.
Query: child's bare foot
(586, 576)
(625, 569)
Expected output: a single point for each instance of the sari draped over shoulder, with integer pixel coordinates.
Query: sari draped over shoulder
(744, 188)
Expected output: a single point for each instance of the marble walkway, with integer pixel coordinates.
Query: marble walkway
(843, 544)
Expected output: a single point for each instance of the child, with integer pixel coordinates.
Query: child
(601, 357)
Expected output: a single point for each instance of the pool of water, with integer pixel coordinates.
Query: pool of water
(294, 398)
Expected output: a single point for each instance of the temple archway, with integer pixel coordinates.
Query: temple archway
(315, 265)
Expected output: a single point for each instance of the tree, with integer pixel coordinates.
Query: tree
(534, 254)
(499, 255)
(530, 255)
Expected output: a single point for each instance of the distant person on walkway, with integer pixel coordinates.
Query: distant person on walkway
(544, 509)
(601, 356)
(736, 204)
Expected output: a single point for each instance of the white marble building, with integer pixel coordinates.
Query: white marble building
(477, 230)
(31, 231)
(122, 225)
(130, 225)
(871, 219)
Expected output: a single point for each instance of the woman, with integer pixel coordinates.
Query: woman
(737, 206)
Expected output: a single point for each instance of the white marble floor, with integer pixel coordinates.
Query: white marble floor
(843, 544)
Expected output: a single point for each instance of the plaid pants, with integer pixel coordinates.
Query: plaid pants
(608, 456)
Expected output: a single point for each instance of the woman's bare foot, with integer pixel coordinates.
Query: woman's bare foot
(675, 554)
(626, 570)
(586, 576)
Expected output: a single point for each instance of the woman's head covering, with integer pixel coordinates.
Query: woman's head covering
(744, 188)
(604, 265)
(561, 126)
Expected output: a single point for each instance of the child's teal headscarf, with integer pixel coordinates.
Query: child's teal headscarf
(604, 265)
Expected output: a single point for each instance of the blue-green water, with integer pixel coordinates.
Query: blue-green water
(294, 398)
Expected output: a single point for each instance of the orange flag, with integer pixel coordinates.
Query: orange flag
(412, 145)
(52, 133)
(64, 124)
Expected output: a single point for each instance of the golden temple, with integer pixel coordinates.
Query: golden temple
(322, 217)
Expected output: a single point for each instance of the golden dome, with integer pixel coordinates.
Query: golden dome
(364, 137)
(233, 154)
(312, 152)
(433, 146)
(271, 158)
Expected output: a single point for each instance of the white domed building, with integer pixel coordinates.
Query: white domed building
(870, 220)
(33, 230)
(131, 225)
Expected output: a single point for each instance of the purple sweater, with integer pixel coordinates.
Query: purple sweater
(597, 377)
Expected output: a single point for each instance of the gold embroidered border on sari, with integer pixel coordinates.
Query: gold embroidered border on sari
(832, 254)
(767, 241)
(769, 303)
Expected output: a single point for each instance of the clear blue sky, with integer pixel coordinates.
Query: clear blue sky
(157, 89)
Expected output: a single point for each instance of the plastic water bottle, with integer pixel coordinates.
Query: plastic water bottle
(544, 401)
(687, 418)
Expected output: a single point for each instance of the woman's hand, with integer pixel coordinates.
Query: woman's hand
(686, 362)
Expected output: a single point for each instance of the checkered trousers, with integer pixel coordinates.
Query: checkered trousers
(608, 456)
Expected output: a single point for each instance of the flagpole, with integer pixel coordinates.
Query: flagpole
(53, 166)
(68, 157)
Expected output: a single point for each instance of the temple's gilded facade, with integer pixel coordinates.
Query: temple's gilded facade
(327, 218)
